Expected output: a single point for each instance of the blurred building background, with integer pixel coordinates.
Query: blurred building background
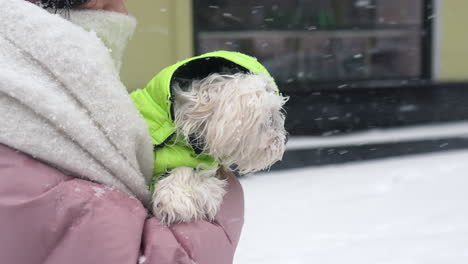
(324, 40)
(348, 65)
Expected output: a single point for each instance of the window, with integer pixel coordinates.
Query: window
(310, 41)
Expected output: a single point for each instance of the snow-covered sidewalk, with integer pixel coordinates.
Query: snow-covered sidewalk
(410, 210)
(379, 136)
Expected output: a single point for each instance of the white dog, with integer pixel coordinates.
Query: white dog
(236, 118)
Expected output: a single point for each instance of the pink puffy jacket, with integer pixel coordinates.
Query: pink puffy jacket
(48, 217)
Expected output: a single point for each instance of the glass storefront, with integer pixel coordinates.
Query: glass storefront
(304, 41)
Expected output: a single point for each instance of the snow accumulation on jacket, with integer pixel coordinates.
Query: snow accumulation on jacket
(76, 156)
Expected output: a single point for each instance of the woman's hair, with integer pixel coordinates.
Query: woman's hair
(61, 4)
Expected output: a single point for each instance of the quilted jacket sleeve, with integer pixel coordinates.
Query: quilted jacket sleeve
(48, 217)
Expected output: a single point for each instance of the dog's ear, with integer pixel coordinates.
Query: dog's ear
(196, 102)
(191, 110)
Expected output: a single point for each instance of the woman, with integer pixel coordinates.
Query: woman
(76, 156)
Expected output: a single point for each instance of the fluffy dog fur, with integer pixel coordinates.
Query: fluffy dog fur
(239, 120)
(187, 195)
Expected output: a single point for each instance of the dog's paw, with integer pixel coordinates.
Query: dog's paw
(187, 195)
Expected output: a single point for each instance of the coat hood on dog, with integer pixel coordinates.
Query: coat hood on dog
(155, 103)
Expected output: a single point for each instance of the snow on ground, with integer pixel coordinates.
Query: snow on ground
(408, 210)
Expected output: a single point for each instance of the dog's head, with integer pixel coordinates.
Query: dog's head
(239, 118)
